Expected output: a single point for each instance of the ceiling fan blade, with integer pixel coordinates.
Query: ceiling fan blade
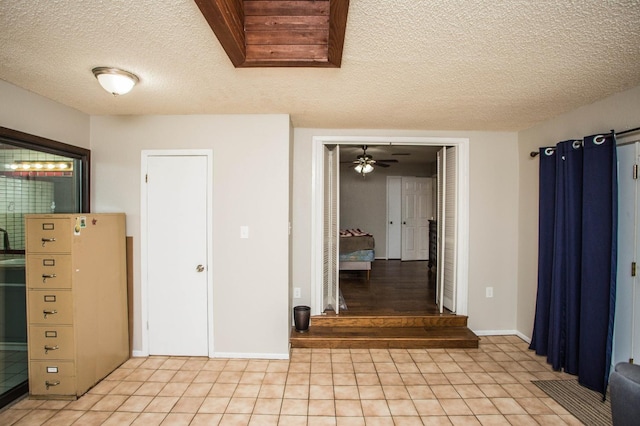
(383, 165)
(393, 160)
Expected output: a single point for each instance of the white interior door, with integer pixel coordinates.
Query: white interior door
(441, 217)
(626, 341)
(176, 255)
(331, 229)
(394, 217)
(450, 229)
(416, 212)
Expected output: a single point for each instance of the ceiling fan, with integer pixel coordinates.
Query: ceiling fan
(364, 162)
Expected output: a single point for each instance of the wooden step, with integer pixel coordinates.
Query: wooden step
(394, 321)
(384, 337)
(386, 331)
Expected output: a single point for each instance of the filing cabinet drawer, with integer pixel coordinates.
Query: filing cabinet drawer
(51, 342)
(52, 378)
(49, 235)
(49, 271)
(50, 307)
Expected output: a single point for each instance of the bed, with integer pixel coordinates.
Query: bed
(357, 251)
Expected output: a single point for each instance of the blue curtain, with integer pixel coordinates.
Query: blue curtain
(575, 303)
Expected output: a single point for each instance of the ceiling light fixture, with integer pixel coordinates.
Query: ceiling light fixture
(114, 80)
(40, 165)
(364, 168)
(364, 163)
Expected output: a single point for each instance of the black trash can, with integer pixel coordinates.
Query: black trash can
(301, 316)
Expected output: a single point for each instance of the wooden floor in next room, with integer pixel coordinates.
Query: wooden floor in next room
(394, 288)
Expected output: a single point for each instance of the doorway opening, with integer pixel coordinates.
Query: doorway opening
(387, 270)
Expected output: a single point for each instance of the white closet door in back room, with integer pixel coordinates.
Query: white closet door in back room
(177, 269)
(416, 212)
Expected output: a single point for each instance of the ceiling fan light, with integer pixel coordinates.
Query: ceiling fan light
(363, 168)
(364, 162)
(114, 80)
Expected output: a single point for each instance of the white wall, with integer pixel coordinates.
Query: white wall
(493, 207)
(30, 113)
(503, 198)
(618, 112)
(252, 277)
(250, 187)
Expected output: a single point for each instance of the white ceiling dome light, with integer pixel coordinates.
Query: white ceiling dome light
(114, 80)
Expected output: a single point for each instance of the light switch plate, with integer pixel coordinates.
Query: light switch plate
(244, 232)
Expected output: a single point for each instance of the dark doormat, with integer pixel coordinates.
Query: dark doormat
(585, 404)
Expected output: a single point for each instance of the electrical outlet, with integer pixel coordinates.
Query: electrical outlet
(296, 293)
(489, 291)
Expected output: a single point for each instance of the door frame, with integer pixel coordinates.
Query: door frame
(144, 283)
(462, 268)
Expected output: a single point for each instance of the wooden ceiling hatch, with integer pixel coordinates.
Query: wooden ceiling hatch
(279, 33)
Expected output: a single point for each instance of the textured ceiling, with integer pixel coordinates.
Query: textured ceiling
(407, 64)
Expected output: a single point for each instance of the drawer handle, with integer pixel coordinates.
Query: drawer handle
(48, 383)
(45, 276)
(48, 240)
(48, 348)
(49, 312)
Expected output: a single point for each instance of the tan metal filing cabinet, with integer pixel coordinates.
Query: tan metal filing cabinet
(76, 301)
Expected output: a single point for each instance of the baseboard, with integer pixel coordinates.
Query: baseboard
(494, 332)
(141, 354)
(502, 333)
(523, 337)
(249, 355)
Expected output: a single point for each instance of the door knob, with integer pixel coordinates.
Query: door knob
(200, 268)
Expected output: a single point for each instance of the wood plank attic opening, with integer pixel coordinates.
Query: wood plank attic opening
(279, 33)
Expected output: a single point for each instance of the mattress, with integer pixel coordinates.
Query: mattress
(353, 240)
(358, 256)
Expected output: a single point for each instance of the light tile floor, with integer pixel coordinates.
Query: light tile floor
(486, 386)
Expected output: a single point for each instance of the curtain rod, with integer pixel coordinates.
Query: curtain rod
(635, 129)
